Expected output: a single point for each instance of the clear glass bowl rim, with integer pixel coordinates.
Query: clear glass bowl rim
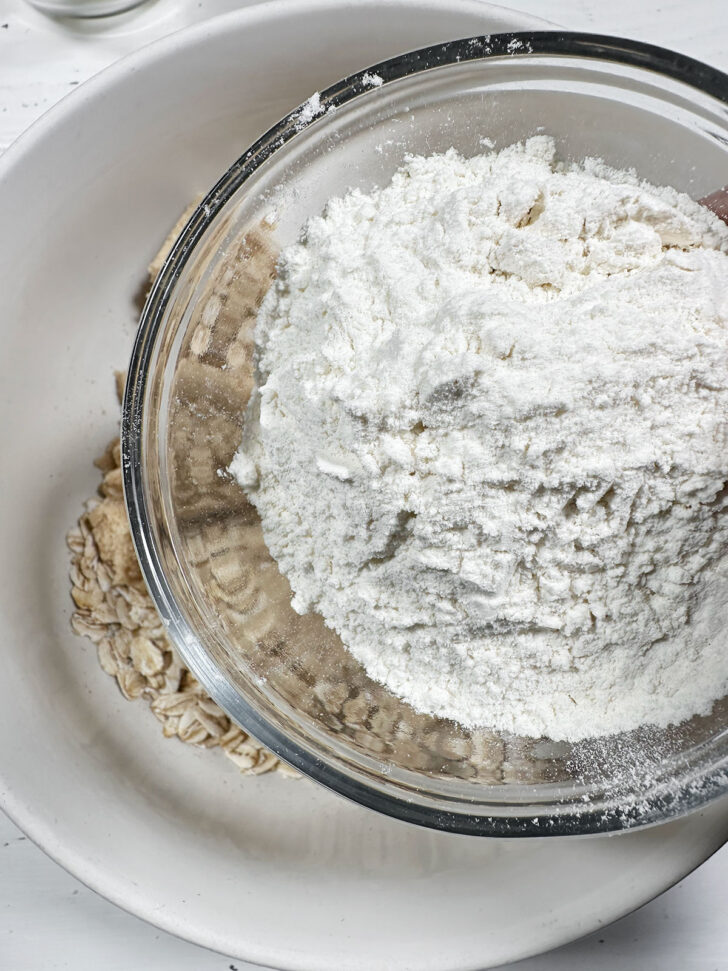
(567, 818)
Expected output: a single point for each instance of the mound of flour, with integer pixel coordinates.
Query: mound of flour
(489, 441)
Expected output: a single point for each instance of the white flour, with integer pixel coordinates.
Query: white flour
(489, 444)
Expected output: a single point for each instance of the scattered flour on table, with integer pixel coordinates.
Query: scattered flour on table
(489, 440)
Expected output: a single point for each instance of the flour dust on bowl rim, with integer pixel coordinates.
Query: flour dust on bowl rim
(284, 677)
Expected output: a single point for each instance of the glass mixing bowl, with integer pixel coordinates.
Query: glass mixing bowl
(286, 678)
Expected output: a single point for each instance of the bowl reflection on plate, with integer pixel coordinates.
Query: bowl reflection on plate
(287, 678)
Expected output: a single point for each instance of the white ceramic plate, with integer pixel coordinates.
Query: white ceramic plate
(279, 872)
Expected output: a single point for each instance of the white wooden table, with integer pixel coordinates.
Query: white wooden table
(48, 920)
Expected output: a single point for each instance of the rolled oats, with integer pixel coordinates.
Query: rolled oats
(115, 611)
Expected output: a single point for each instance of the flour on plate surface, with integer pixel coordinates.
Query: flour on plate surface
(488, 442)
